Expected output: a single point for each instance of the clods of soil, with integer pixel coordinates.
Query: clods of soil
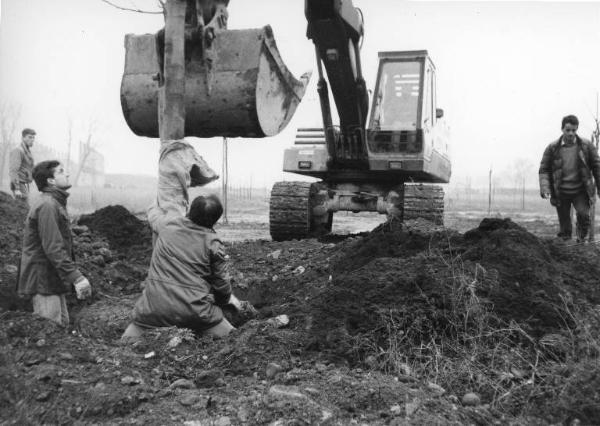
(392, 326)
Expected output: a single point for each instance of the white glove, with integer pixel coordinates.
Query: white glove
(234, 301)
(83, 289)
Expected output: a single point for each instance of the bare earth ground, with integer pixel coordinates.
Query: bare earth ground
(388, 325)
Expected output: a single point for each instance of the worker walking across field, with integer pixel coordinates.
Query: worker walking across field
(570, 176)
(47, 269)
(188, 280)
(21, 165)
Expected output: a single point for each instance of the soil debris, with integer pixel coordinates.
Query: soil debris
(394, 324)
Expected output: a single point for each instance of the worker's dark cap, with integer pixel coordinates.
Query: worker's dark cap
(28, 131)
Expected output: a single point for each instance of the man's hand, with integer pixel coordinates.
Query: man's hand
(234, 301)
(83, 289)
(18, 193)
(545, 195)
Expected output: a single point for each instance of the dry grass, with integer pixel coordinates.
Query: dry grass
(467, 348)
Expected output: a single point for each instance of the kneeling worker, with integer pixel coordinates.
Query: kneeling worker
(187, 280)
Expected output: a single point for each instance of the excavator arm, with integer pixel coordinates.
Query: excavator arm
(336, 28)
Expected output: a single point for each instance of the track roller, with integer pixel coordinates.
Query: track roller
(291, 211)
(425, 202)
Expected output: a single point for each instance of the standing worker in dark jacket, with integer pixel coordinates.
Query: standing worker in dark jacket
(570, 176)
(187, 281)
(21, 165)
(48, 270)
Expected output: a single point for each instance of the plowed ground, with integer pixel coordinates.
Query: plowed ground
(391, 326)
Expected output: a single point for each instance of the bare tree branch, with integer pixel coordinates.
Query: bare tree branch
(132, 9)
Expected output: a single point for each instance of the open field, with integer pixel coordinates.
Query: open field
(248, 210)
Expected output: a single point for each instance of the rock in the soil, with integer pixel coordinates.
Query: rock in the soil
(275, 255)
(209, 378)
(66, 356)
(396, 410)
(43, 396)
(471, 399)
(404, 368)
(40, 343)
(79, 229)
(174, 342)
(517, 373)
(435, 388)
(299, 270)
(11, 269)
(223, 421)
(279, 321)
(98, 260)
(189, 399)
(106, 254)
(286, 392)
(182, 384)
(273, 369)
(45, 373)
(129, 381)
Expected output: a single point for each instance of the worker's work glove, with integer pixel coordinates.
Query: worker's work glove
(545, 195)
(83, 288)
(18, 194)
(235, 302)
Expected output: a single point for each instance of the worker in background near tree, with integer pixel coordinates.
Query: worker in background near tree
(21, 165)
(47, 269)
(568, 169)
(187, 281)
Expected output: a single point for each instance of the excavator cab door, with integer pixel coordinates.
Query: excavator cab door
(395, 124)
(405, 133)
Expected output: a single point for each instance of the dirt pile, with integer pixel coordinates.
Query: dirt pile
(114, 249)
(461, 310)
(123, 230)
(511, 272)
(12, 215)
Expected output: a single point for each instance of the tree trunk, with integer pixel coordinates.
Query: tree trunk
(171, 106)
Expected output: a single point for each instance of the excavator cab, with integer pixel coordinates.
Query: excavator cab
(406, 133)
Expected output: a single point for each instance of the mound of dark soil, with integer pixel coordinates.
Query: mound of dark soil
(122, 229)
(12, 215)
(418, 281)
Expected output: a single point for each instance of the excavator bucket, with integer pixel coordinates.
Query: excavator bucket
(239, 87)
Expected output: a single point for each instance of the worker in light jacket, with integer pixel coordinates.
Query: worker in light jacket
(21, 165)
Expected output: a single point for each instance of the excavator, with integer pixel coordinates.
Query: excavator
(236, 85)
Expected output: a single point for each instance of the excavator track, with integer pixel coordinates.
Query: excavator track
(425, 202)
(290, 211)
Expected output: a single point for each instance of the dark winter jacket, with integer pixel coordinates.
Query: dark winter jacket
(551, 169)
(47, 261)
(187, 277)
(20, 165)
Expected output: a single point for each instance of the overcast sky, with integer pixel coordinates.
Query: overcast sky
(507, 73)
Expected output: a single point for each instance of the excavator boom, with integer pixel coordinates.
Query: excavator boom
(336, 28)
